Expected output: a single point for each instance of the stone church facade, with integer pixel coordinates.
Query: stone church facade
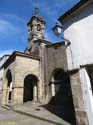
(40, 74)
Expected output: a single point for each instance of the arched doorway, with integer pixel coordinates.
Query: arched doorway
(61, 95)
(9, 86)
(30, 88)
(60, 86)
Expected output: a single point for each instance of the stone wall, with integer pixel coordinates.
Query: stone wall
(11, 67)
(20, 68)
(24, 67)
(55, 57)
(80, 112)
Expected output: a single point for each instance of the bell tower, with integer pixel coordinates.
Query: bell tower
(36, 29)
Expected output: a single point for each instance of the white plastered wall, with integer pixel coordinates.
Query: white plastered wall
(79, 30)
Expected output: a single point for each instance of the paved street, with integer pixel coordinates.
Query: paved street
(32, 114)
(8, 117)
(52, 114)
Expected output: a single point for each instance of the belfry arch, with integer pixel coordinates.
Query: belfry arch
(30, 88)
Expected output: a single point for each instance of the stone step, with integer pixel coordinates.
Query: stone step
(6, 107)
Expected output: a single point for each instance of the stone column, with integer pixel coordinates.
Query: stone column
(35, 93)
(17, 95)
(7, 96)
(39, 92)
(52, 89)
(87, 94)
(4, 97)
(4, 92)
(78, 100)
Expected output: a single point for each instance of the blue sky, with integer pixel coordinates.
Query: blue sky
(14, 15)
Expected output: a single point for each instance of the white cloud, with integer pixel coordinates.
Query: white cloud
(55, 8)
(7, 28)
(4, 52)
(13, 16)
(11, 25)
(49, 10)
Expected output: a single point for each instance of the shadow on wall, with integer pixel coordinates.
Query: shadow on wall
(62, 103)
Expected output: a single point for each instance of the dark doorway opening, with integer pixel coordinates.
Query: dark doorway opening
(63, 96)
(9, 85)
(29, 82)
(63, 93)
